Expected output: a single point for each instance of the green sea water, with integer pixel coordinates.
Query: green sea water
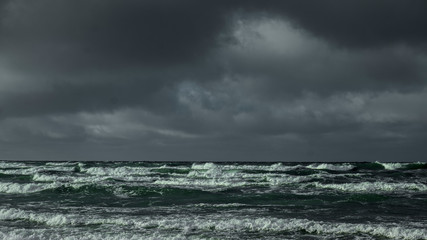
(169, 200)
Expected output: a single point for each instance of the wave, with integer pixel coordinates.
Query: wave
(29, 170)
(208, 184)
(24, 188)
(373, 187)
(40, 177)
(220, 205)
(12, 165)
(216, 225)
(215, 179)
(48, 219)
(211, 180)
(196, 170)
(403, 166)
(346, 177)
(275, 167)
(301, 183)
(107, 189)
(391, 166)
(117, 171)
(42, 234)
(63, 164)
(333, 167)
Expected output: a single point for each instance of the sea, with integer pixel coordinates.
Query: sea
(184, 200)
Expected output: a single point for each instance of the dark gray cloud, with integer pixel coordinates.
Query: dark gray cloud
(217, 80)
(360, 23)
(85, 35)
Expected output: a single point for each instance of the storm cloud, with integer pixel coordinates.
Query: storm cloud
(213, 80)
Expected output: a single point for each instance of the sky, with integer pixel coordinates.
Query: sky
(223, 80)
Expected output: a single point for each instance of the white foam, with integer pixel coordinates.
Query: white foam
(276, 180)
(373, 187)
(395, 166)
(314, 227)
(51, 219)
(61, 164)
(38, 177)
(117, 171)
(237, 167)
(42, 234)
(29, 170)
(204, 166)
(334, 167)
(19, 171)
(220, 205)
(203, 184)
(392, 166)
(217, 178)
(51, 178)
(4, 164)
(165, 166)
(25, 187)
(218, 172)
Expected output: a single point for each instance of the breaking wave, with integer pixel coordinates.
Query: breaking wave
(374, 187)
(333, 167)
(219, 225)
(23, 188)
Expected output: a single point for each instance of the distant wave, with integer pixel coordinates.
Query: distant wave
(334, 167)
(24, 178)
(391, 166)
(143, 169)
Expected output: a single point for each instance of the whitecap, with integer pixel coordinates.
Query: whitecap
(203, 166)
(391, 166)
(23, 188)
(334, 167)
(116, 172)
(373, 187)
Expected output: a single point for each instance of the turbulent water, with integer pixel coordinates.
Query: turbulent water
(140, 200)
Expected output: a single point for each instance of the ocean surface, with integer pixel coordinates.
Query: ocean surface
(141, 200)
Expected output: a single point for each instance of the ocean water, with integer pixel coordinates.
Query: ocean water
(141, 200)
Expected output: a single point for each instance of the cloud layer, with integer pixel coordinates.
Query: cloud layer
(213, 81)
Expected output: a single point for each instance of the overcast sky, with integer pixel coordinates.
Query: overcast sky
(213, 80)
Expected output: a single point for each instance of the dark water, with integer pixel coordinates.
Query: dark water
(122, 200)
